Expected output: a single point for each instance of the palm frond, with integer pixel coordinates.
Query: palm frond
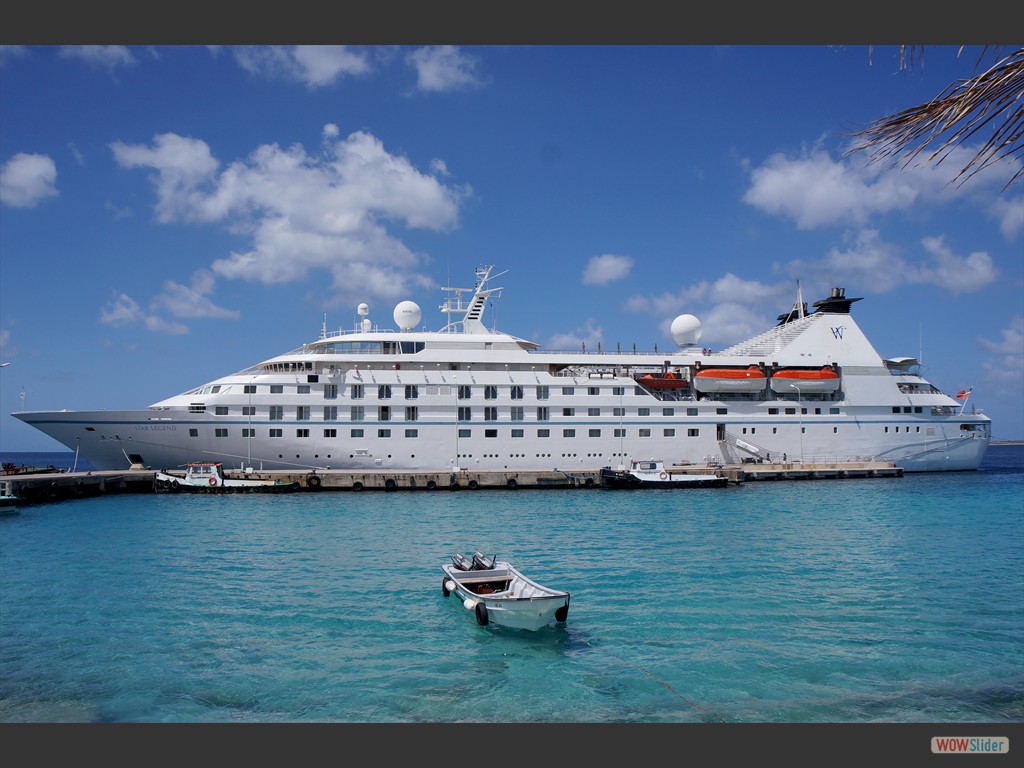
(989, 105)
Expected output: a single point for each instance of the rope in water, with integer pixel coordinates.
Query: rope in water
(657, 679)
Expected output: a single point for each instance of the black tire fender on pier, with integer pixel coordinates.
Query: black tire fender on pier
(390, 484)
(481, 615)
(444, 587)
(175, 485)
(357, 486)
(512, 482)
(313, 481)
(431, 485)
(589, 482)
(473, 485)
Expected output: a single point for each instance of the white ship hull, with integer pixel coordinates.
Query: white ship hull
(478, 399)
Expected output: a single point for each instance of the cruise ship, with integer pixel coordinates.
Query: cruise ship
(811, 388)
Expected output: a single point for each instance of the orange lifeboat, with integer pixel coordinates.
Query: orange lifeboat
(750, 379)
(667, 380)
(790, 380)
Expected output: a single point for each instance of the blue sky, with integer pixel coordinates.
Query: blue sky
(170, 214)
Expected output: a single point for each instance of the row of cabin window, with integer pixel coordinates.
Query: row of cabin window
(411, 432)
(465, 413)
(465, 391)
(358, 432)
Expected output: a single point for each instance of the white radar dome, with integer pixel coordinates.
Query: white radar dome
(686, 330)
(363, 310)
(408, 315)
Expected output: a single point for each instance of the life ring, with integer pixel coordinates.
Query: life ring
(313, 481)
(444, 587)
(481, 615)
(213, 481)
(357, 486)
(663, 475)
(389, 484)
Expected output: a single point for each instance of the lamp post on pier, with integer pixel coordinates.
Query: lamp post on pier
(800, 416)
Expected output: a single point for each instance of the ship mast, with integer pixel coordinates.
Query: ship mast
(473, 310)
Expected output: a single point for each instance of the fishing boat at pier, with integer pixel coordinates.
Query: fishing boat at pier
(373, 398)
(652, 473)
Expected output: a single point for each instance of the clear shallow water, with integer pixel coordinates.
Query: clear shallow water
(829, 601)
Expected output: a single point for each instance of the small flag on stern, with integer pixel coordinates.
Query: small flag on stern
(963, 394)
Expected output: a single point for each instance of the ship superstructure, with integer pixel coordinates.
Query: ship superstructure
(811, 388)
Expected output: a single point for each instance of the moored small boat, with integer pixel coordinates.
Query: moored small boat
(501, 594)
(8, 498)
(209, 477)
(750, 379)
(651, 473)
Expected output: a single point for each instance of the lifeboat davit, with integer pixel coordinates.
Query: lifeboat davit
(807, 380)
(750, 379)
(662, 381)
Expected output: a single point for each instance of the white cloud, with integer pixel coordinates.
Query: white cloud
(192, 301)
(1010, 215)
(1008, 366)
(6, 348)
(314, 65)
(606, 268)
(730, 308)
(26, 179)
(816, 191)
(11, 52)
(125, 311)
(880, 266)
(443, 68)
(183, 165)
(331, 211)
(587, 336)
(108, 56)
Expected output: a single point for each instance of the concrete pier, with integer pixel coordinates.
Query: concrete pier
(41, 487)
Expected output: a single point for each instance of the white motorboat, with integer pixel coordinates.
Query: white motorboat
(373, 398)
(209, 477)
(496, 592)
(651, 473)
(8, 498)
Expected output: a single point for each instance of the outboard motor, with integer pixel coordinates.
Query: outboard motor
(481, 563)
(462, 562)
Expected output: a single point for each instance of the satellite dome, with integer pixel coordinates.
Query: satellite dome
(363, 310)
(686, 330)
(408, 315)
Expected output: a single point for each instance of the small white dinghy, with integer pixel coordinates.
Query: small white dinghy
(497, 592)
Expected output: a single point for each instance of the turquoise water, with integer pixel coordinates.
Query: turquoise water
(830, 601)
